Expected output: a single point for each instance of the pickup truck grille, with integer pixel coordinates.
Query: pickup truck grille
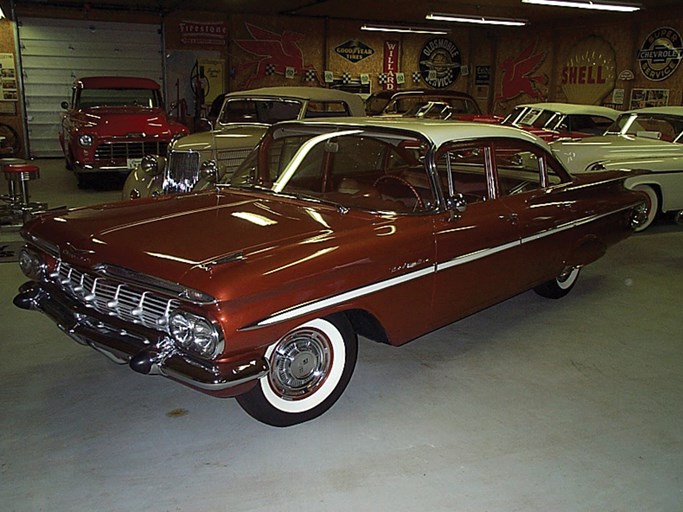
(124, 150)
(122, 300)
(182, 171)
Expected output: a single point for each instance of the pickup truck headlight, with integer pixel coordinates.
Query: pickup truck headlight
(86, 140)
(194, 333)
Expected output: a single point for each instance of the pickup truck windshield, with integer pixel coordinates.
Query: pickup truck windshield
(118, 98)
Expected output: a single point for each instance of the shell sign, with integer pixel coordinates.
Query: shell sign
(590, 71)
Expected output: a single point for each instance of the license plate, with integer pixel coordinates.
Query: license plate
(134, 162)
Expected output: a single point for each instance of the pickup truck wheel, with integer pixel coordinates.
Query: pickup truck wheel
(653, 207)
(309, 369)
(560, 286)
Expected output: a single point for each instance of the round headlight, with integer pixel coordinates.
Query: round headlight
(32, 265)
(151, 165)
(86, 140)
(180, 327)
(205, 337)
(194, 333)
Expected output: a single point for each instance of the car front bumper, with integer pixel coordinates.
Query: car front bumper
(145, 350)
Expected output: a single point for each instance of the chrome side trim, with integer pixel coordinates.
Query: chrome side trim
(316, 305)
(343, 297)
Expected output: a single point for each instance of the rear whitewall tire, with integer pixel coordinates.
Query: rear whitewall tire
(561, 285)
(653, 207)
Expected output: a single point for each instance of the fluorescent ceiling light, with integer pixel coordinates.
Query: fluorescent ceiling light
(405, 30)
(480, 20)
(602, 5)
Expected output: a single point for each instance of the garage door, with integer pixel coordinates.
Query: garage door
(56, 52)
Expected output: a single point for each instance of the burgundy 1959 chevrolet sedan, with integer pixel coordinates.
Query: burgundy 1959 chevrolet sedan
(259, 287)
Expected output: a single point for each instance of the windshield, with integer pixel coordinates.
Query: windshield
(650, 125)
(260, 111)
(348, 167)
(413, 103)
(534, 117)
(118, 98)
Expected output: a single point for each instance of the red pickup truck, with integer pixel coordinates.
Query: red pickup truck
(111, 123)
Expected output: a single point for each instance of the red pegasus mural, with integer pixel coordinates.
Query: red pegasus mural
(516, 71)
(274, 52)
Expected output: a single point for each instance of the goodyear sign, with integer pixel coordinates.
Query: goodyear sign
(354, 50)
(660, 54)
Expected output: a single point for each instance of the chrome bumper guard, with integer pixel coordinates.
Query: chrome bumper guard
(145, 350)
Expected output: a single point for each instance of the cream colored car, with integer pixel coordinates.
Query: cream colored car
(244, 118)
(647, 138)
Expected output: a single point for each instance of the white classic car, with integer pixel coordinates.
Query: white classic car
(647, 138)
(552, 121)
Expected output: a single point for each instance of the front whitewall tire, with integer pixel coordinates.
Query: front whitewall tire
(310, 367)
(325, 388)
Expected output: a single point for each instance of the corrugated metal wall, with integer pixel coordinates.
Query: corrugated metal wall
(55, 52)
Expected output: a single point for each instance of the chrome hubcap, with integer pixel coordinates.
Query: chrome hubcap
(300, 364)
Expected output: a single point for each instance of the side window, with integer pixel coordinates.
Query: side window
(522, 167)
(518, 169)
(552, 174)
(462, 170)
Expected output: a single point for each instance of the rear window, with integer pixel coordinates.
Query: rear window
(260, 111)
(327, 109)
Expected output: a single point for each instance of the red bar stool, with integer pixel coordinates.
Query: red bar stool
(12, 196)
(18, 175)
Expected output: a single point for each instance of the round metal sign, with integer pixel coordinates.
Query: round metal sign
(440, 62)
(660, 54)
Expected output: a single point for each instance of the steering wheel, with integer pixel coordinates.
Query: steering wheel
(419, 204)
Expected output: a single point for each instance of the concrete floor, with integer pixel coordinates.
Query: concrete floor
(533, 405)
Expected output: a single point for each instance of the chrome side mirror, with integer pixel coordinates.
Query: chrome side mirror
(209, 171)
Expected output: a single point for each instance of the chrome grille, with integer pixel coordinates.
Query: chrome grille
(113, 298)
(182, 172)
(123, 150)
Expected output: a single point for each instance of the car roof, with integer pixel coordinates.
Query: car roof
(676, 111)
(112, 82)
(572, 108)
(437, 130)
(355, 101)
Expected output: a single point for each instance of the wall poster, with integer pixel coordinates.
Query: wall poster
(9, 94)
(649, 98)
(390, 66)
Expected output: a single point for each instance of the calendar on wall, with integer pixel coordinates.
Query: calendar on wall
(9, 92)
(649, 98)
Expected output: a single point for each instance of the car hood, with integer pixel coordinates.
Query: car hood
(231, 137)
(126, 120)
(177, 237)
(627, 151)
